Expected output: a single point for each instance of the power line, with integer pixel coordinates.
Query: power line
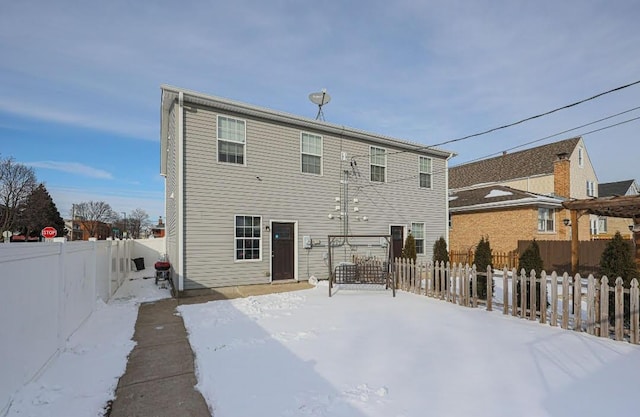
(622, 87)
(520, 146)
(540, 115)
(563, 132)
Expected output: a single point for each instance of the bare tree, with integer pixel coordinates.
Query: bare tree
(17, 181)
(137, 220)
(90, 214)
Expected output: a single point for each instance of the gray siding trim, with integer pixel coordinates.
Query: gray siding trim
(171, 189)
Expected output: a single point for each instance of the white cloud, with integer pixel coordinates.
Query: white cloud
(73, 168)
(78, 117)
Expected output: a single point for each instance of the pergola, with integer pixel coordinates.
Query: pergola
(615, 206)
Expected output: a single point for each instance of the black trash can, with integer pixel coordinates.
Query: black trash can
(139, 263)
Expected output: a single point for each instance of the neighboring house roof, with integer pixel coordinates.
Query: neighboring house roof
(496, 197)
(522, 164)
(610, 189)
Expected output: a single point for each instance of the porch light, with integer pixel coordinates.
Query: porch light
(566, 222)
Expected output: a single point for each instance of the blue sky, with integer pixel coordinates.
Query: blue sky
(80, 80)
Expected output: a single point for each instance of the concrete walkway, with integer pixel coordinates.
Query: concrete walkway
(159, 380)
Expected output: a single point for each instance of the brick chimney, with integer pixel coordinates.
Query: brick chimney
(562, 175)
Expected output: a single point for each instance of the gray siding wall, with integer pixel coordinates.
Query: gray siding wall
(216, 192)
(171, 220)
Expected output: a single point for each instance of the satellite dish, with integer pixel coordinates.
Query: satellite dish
(320, 99)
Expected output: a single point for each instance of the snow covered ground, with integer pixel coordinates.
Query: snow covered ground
(365, 353)
(359, 353)
(80, 381)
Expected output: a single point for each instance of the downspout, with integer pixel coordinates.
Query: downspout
(446, 198)
(180, 192)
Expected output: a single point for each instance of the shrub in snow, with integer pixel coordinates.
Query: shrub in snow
(531, 260)
(441, 254)
(617, 261)
(482, 259)
(409, 249)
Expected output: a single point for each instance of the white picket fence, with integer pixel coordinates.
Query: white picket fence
(457, 283)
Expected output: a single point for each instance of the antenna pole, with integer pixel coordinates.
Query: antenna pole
(320, 115)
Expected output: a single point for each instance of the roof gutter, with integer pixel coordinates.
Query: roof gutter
(282, 117)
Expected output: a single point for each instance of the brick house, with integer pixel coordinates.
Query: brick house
(518, 196)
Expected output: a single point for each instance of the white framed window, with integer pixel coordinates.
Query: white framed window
(602, 225)
(248, 238)
(417, 230)
(546, 219)
(580, 156)
(591, 189)
(425, 172)
(311, 153)
(593, 226)
(232, 134)
(378, 164)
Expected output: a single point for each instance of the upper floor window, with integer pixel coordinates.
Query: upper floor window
(311, 153)
(247, 237)
(546, 220)
(591, 189)
(378, 163)
(231, 140)
(580, 157)
(425, 172)
(417, 230)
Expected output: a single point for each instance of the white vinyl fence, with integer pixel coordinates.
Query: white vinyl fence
(48, 290)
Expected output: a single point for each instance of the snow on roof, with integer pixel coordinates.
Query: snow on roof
(497, 193)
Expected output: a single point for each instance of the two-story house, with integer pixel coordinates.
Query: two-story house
(252, 193)
(608, 226)
(518, 196)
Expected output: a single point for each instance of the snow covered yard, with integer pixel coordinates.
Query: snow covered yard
(360, 353)
(364, 353)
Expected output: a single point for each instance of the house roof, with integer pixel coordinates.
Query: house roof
(497, 197)
(610, 189)
(522, 164)
(170, 94)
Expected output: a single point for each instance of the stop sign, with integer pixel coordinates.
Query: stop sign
(49, 232)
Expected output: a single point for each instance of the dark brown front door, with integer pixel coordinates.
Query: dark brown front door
(282, 238)
(397, 240)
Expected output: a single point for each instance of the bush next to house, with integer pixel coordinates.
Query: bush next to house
(530, 260)
(441, 254)
(617, 261)
(482, 259)
(409, 249)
